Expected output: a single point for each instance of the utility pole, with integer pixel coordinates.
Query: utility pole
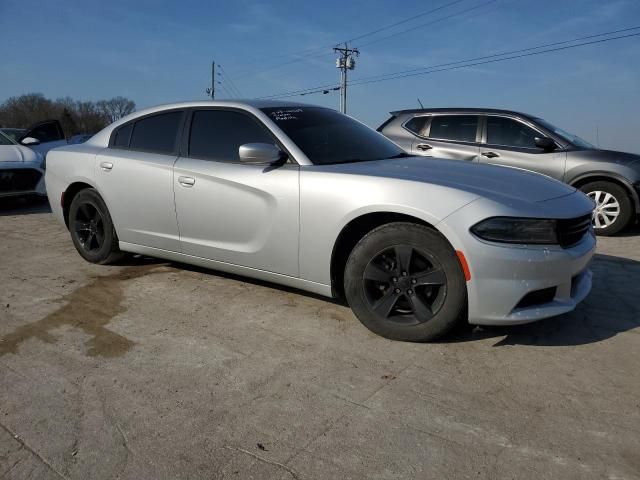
(212, 90)
(345, 62)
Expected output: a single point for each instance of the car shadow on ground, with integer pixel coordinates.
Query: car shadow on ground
(13, 206)
(611, 308)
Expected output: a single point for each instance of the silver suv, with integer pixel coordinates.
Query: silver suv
(518, 140)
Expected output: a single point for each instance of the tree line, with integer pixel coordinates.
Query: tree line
(75, 116)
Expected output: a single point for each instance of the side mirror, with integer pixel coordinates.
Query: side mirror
(29, 141)
(260, 153)
(545, 143)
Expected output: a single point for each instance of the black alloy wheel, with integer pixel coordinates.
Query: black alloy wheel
(405, 285)
(91, 228)
(404, 281)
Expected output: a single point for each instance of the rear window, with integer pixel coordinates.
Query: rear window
(417, 125)
(123, 134)
(157, 133)
(461, 128)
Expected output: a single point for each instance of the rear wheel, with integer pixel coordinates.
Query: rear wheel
(404, 282)
(613, 211)
(91, 228)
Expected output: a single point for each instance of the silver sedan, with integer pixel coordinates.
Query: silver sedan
(306, 197)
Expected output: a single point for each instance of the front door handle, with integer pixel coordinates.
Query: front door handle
(186, 181)
(490, 154)
(424, 147)
(106, 166)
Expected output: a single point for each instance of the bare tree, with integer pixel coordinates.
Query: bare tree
(76, 116)
(116, 108)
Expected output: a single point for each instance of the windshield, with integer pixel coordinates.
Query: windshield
(13, 133)
(569, 137)
(326, 136)
(5, 139)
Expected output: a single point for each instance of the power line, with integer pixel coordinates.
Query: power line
(387, 27)
(540, 52)
(422, 25)
(564, 42)
(312, 53)
(230, 82)
(510, 55)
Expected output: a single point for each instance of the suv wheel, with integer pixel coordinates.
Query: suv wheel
(404, 282)
(613, 210)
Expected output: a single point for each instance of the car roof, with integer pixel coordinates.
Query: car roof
(256, 103)
(461, 110)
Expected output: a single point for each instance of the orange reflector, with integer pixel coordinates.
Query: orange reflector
(62, 199)
(464, 265)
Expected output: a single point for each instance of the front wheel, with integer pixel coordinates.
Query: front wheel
(613, 210)
(404, 282)
(91, 228)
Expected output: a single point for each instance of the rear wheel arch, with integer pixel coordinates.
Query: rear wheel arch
(352, 233)
(69, 194)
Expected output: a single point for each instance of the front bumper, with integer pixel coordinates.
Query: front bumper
(504, 276)
(512, 284)
(20, 179)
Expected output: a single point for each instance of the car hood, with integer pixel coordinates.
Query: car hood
(17, 153)
(608, 156)
(487, 181)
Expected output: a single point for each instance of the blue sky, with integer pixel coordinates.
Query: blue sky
(160, 51)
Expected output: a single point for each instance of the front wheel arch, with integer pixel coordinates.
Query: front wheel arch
(602, 177)
(352, 233)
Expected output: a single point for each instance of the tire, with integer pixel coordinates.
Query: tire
(614, 210)
(422, 305)
(91, 228)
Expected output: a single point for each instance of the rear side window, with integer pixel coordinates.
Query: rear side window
(123, 134)
(417, 125)
(461, 128)
(218, 134)
(157, 133)
(510, 133)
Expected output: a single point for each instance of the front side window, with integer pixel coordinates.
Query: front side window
(46, 132)
(327, 137)
(569, 137)
(218, 134)
(510, 133)
(461, 128)
(157, 133)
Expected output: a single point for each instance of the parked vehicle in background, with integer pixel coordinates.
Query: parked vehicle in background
(13, 133)
(307, 197)
(518, 140)
(81, 138)
(21, 169)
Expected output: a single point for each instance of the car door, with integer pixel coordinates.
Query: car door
(452, 136)
(510, 142)
(135, 178)
(49, 135)
(231, 212)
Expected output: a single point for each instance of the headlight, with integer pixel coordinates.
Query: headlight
(517, 230)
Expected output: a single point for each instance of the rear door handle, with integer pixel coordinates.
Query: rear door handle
(490, 154)
(106, 166)
(424, 147)
(187, 181)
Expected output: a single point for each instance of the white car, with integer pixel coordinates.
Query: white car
(21, 169)
(22, 162)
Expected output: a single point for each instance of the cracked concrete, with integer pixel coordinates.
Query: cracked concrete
(155, 370)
